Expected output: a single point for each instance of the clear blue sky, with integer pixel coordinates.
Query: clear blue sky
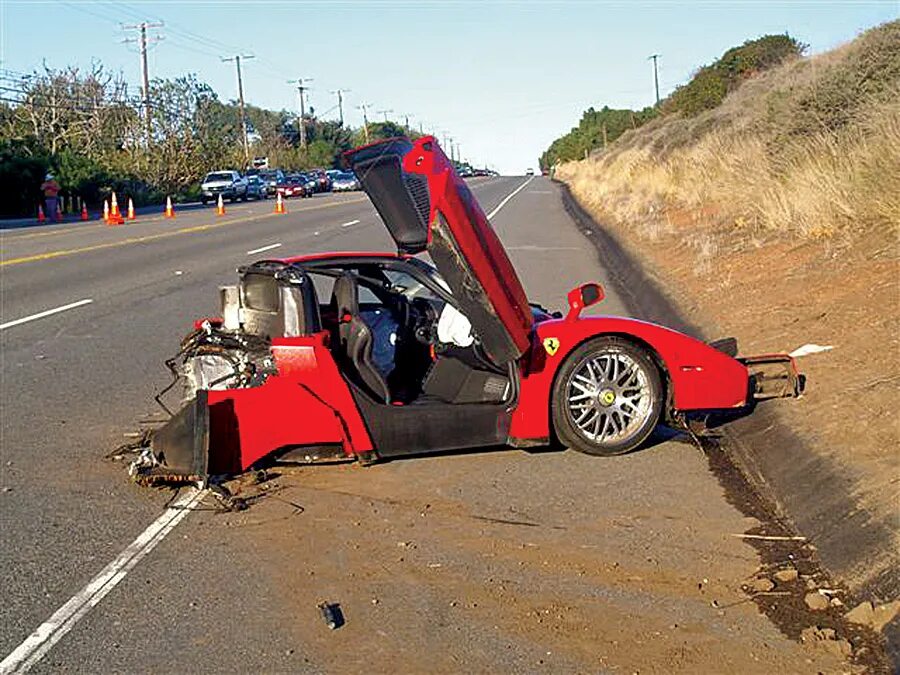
(502, 78)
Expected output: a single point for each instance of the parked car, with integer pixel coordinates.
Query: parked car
(469, 362)
(272, 178)
(311, 183)
(229, 184)
(257, 188)
(345, 181)
(292, 185)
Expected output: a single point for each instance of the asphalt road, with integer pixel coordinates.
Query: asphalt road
(486, 560)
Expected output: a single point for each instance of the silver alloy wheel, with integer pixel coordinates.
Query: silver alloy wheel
(608, 396)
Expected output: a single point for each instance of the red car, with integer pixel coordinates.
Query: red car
(291, 186)
(343, 356)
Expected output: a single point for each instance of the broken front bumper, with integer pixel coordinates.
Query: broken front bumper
(773, 376)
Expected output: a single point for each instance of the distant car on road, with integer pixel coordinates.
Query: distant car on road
(529, 171)
(310, 183)
(345, 181)
(257, 188)
(227, 184)
(292, 185)
(272, 177)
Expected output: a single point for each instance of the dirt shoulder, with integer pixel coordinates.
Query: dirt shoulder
(829, 460)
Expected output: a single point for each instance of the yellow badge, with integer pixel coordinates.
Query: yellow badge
(551, 344)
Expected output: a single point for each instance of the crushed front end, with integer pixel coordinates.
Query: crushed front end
(259, 381)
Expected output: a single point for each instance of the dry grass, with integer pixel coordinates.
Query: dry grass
(790, 152)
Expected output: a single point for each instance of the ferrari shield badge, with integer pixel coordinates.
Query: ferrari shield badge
(551, 344)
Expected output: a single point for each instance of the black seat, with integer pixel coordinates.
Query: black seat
(356, 338)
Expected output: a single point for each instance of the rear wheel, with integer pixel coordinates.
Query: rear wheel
(608, 397)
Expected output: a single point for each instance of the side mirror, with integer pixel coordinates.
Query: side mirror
(581, 297)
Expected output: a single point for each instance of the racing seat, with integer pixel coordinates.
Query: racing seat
(356, 339)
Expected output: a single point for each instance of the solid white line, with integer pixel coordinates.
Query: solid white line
(41, 315)
(263, 248)
(352, 222)
(36, 645)
(508, 197)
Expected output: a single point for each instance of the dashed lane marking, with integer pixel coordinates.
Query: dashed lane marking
(263, 248)
(48, 312)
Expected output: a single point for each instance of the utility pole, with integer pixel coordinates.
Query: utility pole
(364, 107)
(145, 76)
(340, 94)
(385, 113)
(655, 57)
(300, 90)
(240, 82)
(406, 122)
(421, 129)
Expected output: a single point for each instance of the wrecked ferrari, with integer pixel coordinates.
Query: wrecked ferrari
(378, 355)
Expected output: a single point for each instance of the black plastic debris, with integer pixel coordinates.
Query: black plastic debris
(331, 612)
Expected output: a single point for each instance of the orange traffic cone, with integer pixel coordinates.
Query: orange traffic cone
(131, 215)
(279, 205)
(115, 216)
(41, 217)
(170, 212)
(59, 216)
(220, 207)
(106, 212)
(84, 213)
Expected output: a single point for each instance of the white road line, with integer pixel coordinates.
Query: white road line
(36, 645)
(41, 315)
(508, 197)
(263, 248)
(352, 222)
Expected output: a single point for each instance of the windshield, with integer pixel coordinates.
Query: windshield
(214, 177)
(344, 176)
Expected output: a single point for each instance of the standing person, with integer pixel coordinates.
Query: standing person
(51, 189)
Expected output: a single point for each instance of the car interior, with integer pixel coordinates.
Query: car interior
(413, 390)
(383, 326)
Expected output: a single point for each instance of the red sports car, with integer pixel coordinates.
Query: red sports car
(372, 355)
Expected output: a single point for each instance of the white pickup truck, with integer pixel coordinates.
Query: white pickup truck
(230, 184)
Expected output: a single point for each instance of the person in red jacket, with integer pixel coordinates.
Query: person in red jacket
(50, 189)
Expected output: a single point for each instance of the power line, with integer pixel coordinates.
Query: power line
(385, 113)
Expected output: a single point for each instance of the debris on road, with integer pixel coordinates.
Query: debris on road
(332, 614)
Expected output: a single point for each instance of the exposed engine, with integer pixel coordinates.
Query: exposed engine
(213, 357)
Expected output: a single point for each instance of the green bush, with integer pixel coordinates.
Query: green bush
(711, 84)
(21, 175)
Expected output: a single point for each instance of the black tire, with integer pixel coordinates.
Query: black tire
(204, 201)
(573, 395)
